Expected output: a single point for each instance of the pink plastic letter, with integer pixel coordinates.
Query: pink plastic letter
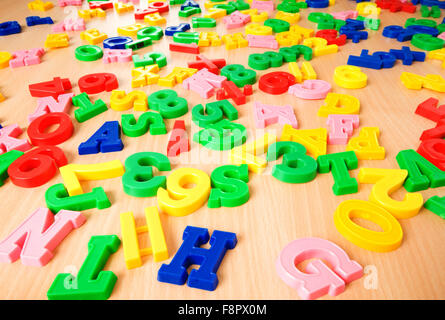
(341, 127)
(318, 279)
(204, 83)
(49, 104)
(117, 55)
(9, 141)
(63, 3)
(236, 20)
(35, 239)
(265, 115)
(26, 57)
(256, 41)
(343, 15)
(263, 5)
(310, 89)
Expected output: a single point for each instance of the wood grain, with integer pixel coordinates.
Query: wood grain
(276, 214)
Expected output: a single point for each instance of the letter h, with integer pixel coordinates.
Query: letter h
(190, 253)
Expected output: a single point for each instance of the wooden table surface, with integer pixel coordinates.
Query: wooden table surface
(276, 213)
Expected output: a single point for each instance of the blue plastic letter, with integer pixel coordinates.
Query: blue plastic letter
(106, 139)
(190, 253)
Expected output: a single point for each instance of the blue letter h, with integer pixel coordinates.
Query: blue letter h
(190, 253)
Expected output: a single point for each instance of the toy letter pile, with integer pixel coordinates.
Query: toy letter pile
(153, 102)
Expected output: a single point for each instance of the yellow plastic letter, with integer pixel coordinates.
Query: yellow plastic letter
(207, 39)
(234, 41)
(388, 240)
(305, 32)
(123, 7)
(438, 54)
(287, 16)
(4, 59)
(366, 145)
(144, 76)
(155, 19)
(130, 30)
(258, 29)
(132, 253)
(307, 72)
(366, 8)
(248, 153)
(40, 5)
(209, 4)
(93, 36)
(433, 82)
(91, 13)
(320, 46)
(215, 13)
(178, 75)
(338, 103)
(288, 38)
(57, 40)
(315, 140)
(350, 77)
(259, 17)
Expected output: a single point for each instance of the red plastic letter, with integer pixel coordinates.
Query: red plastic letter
(37, 129)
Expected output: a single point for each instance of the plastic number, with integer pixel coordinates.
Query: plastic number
(320, 46)
(386, 182)
(177, 199)
(120, 101)
(72, 174)
(38, 129)
(168, 103)
(138, 179)
(37, 166)
(238, 74)
(291, 54)
(214, 113)
(297, 167)
(266, 60)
